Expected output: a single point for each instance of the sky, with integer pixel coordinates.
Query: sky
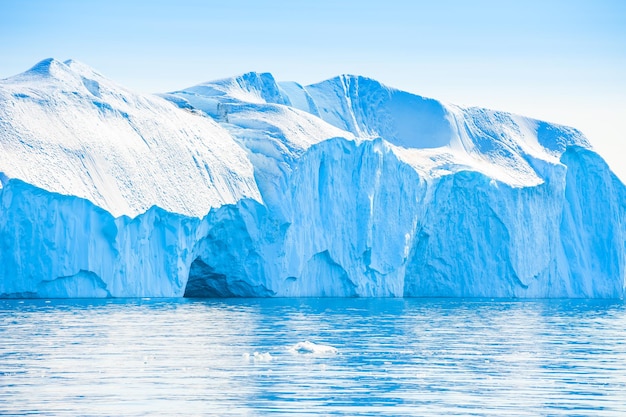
(562, 61)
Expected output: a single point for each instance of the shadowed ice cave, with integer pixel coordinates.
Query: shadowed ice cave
(205, 282)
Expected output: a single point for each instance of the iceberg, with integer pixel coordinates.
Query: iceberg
(249, 187)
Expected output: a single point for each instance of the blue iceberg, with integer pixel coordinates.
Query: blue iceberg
(248, 187)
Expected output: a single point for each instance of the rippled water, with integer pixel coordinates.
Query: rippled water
(232, 357)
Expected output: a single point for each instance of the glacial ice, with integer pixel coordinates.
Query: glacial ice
(247, 187)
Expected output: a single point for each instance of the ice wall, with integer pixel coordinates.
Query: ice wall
(64, 246)
(463, 235)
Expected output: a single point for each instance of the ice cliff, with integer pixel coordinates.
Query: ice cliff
(250, 187)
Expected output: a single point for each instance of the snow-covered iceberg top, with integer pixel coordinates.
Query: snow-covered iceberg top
(433, 137)
(67, 129)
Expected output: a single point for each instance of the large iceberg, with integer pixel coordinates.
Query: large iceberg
(247, 187)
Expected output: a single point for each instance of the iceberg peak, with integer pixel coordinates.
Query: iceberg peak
(251, 87)
(48, 68)
(45, 67)
(70, 75)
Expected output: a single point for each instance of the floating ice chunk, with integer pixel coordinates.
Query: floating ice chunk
(257, 357)
(307, 347)
(262, 357)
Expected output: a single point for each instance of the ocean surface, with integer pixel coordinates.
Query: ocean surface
(336, 357)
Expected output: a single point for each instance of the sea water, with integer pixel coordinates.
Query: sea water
(337, 357)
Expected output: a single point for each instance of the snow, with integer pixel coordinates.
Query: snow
(67, 129)
(250, 187)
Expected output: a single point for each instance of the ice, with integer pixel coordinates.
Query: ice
(311, 348)
(247, 187)
(257, 357)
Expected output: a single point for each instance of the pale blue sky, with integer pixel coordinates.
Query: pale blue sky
(561, 60)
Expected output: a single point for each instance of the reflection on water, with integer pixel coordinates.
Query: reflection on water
(249, 357)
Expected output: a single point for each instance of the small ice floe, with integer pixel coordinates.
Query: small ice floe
(257, 357)
(311, 348)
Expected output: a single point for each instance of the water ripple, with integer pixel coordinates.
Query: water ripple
(382, 357)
